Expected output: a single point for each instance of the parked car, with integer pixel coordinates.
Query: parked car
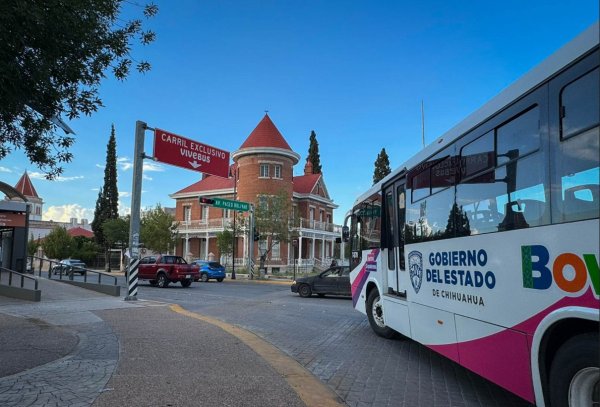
(334, 281)
(210, 269)
(67, 266)
(162, 270)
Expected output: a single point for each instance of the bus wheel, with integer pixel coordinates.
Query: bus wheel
(575, 373)
(376, 318)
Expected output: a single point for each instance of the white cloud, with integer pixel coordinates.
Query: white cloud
(42, 176)
(126, 164)
(4, 169)
(100, 166)
(123, 194)
(147, 178)
(64, 213)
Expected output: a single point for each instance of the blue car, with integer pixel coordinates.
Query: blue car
(210, 270)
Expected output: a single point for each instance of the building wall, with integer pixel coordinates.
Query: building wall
(251, 184)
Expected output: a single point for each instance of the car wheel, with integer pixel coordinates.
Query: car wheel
(162, 281)
(220, 280)
(376, 317)
(204, 277)
(153, 283)
(575, 371)
(186, 283)
(304, 290)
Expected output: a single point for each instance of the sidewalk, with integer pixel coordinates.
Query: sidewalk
(81, 348)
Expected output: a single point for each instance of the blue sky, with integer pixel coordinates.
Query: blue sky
(355, 72)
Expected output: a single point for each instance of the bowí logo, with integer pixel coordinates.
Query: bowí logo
(569, 271)
(415, 268)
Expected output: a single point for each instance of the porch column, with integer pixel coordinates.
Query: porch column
(186, 248)
(206, 248)
(300, 250)
(322, 248)
(312, 248)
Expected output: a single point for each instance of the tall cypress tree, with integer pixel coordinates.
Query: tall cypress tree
(110, 176)
(382, 166)
(107, 204)
(313, 153)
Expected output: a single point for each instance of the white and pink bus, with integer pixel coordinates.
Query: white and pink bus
(484, 247)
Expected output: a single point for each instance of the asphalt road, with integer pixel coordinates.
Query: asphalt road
(337, 345)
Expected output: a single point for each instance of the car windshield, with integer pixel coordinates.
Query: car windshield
(214, 265)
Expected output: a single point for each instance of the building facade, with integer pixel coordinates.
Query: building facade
(263, 166)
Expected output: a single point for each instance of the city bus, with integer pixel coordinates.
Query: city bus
(484, 246)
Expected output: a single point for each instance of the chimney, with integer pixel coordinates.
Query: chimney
(308, 167)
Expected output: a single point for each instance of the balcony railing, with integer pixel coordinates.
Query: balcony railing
(222, 223)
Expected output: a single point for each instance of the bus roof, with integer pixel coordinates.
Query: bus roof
(576, 48)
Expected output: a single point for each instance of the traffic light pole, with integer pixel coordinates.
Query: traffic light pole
(251, 243)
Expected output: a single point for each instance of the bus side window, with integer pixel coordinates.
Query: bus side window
(577, 172)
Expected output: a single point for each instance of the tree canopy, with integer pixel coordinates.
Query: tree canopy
(313, 153)
(382, 166)
(158, 229)
(58, 244)
(53, 56)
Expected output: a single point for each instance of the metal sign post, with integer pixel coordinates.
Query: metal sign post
(134, 227)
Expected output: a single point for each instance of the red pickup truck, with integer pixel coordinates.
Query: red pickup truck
(162, 270)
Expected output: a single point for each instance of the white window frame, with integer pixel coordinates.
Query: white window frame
(187, 214)
(264, 171)
(277, 171)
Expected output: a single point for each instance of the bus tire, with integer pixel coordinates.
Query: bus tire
(376, 317)
(575, 372)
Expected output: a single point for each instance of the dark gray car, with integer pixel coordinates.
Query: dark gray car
(333, 281)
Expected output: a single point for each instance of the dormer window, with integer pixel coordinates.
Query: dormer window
(264, 170)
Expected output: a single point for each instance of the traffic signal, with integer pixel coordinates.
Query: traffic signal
(256, 235)
(206, 201)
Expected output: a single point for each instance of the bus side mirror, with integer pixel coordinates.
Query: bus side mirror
(345, 233)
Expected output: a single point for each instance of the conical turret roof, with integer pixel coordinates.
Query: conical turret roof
(266, 134)
(25, 186)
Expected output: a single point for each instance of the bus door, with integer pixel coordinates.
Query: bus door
(395, 215)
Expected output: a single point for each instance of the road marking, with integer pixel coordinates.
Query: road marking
(310, 389)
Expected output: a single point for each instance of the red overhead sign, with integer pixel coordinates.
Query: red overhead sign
(182, 152)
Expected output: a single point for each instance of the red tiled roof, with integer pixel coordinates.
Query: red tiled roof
(304, 184)
(208, 184)
(265, 135)
(79, 231)
(25, 186)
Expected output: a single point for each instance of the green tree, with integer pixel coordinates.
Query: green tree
(53, 57)
(313, 153)
(273, 217)
(382, 166)
(32, 245)
(116, 232)
(225, 242)
(58, 244)
(158, 229)
(107, 205)
(84, 249)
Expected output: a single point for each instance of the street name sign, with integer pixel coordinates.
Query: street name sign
(226, 204)
(183, 152)
(234, 205)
